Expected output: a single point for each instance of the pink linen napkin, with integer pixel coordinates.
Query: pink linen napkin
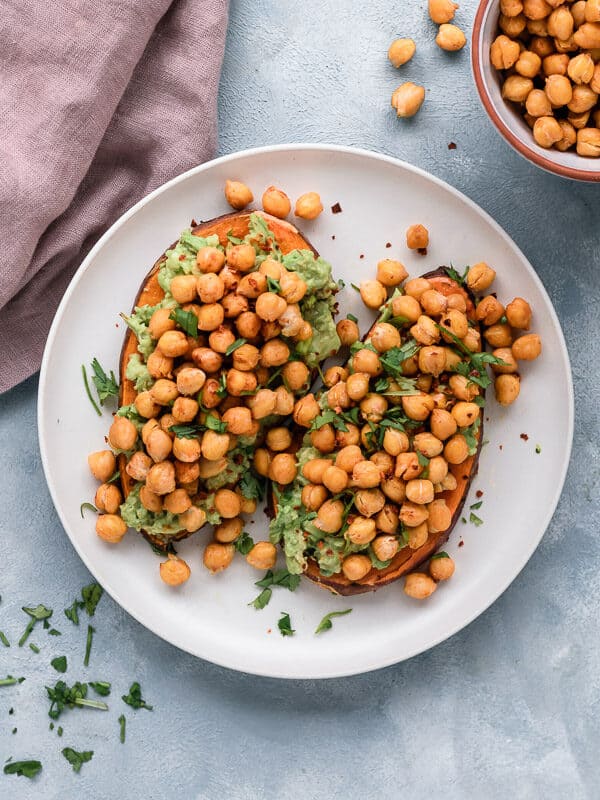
(100, 102)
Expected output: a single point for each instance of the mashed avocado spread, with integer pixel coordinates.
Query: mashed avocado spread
(317, 307)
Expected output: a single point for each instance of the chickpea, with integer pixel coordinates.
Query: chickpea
(578, 12)
(355, 567)
(395, 442)
(166, 422)
(472, 340)
(442, 11)
(527, 348)
(263, 403)
(407, 99)
(227, 503)
(335, 479)
(413, 514)
(450, 37)
(262, 556)
(373, 293)
(330, 516)
(210, 396)
(138, 466)
(306, 410)
(425, 331)
(419, 491)
(239, 420)
(183, 289)
(449, 483)
(587, 36)
(207, 360)
(543, 47)
(210, 316)
(369, 502)
(385, 547)
(108, 498)
(208, 469)
(276, 202)
(406, 306)
(512, 26)
(192, 519)
(314, 470)
(442, 423)
(110, 528)
(248, 324)
(308, 206)
(440, 516)
(560, 23)
(456, 450)
(419, 586)
(499, 335)
(516, 88)
(190, 380)
(348, 457)
(390, 273)
(518, 314)
(161, 322)
(394, 489)
(164, 392)
(161, 478)
(581, 68)
(366, 475)
(293, 288)
(595, 82)
(270, 330)
(186, 449)
(237, 194)
(335, 375)
(177, 502)
(480, 277)
(239, 382)
(465, 414)
(159, 445)
(457, 302)
(361, 530)
(583, 99)
(401, 51)
(432, 360)
(367, 361)
(428, 444)
(248, 504)
(536, 9)
(373, 407)
(262, 461)
(173, 343)
(174, 571)
(433, 302)
(313, 496)
(529, 64)
(348, 332)
(547, 131)
(348, 437)
(217, 556)
(504, 354)
(150, 501)
(384, 461)
(241, 257)
(337, 397)
(186, 471)
(279, 439)
(511, 8)
(417, 238)
(463, 388)
(384, 337)
(437, 469)
(233, 305)
(558, 90)
(185, 409)
(295, 374)
(210, 259)
(417, 536)
(122, 434)
(229, 530)
(103, 464)
(588, 142)
(569, 136)
(283, 468)
(323, 439)
(418, 406)
(489, 310)
(159, 366)
(270, 306)
(388, 520)
(537, 104)
(452, 359)
(441, 568)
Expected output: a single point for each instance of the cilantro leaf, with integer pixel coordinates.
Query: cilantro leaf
(186, 320)
(471, 436)
(233, 347)
(134, 698)
(87, 507)
(441, 554)
(456, 276)
(189, 431)
(262, 599)
(250, 487)
(91, 595)
(76, 759)
(10, 681)
(4, 640)
(285, 625)
(88, 645)
(122, 724)
(244, 543)
(59, 663)
(392, 359)
(88, 392)
(273, 285)
(105, 386)
(100, 687)
(281, 577)
(25, 769)
(62, 696)
(326, 623)
(352, 318)
(477, 521)
(213, 423)
(476, 506)
(329, 417)
(37, 614)
(72, 612)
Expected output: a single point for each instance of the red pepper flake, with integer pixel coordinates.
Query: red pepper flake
(478, 493)
(452, 146)
(461, 543)
(336, 208)
(422, 251)
(116, 324)
(388, 244)
(524, 436)
(193, 223)
(333, 236)
(269, 630)
(501, 447)
(182, 257)
(362, 255)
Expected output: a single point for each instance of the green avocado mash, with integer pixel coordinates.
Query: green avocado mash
(138, 322)
(181, 260)
(137, 372)
(136, 516)
(238, 462)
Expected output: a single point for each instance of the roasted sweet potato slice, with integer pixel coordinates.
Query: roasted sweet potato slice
(406, 560)
(288, 238)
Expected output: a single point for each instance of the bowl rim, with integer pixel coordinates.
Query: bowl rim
(518, 144)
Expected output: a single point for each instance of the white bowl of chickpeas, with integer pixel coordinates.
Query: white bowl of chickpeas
(537, 69)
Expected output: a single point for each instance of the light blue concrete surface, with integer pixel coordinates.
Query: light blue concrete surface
(508, 708)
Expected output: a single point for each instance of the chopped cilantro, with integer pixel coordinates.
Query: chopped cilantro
(134, 698)
(101, 687)
(352, 318)
(122, 724)
(189, 431)
(262, 599)
(538, 448)
(477, 521)
(62, 696)
(186, 320)
(37, 614)
(88, 645)
(441, 554)
(285, 625)
(476, 506)
(34, 647)
(233, 347)
(4, 640)
(273, 284)
(88, 392)
(105, 386)
(91, 595)
(326, 623)
(26, 769)
(329, 417)
(76, 759)
(244, 543)
(87, 507)
(250, 487)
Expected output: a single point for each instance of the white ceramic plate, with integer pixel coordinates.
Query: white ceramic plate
(209, 615)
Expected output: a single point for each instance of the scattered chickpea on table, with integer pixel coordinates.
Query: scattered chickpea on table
(548, 54)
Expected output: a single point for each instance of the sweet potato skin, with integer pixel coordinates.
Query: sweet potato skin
(406, 560)
(288, 238)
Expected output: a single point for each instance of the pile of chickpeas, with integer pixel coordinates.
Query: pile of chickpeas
(197, 377)
(408, 98)
(390, 486)
(548, 53)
